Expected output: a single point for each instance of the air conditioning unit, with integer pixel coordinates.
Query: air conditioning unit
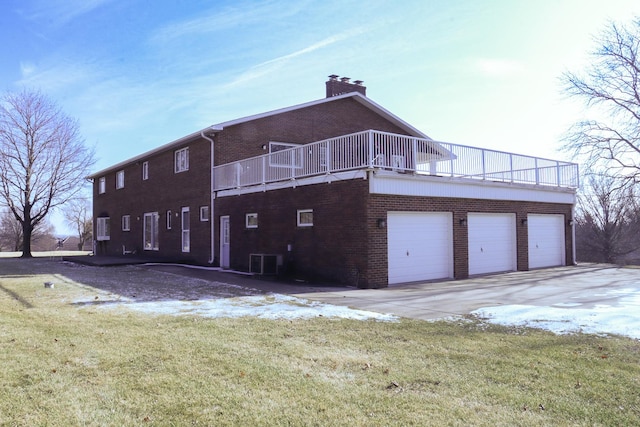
(265, 264)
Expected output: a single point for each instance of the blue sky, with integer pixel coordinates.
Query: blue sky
(141, 73)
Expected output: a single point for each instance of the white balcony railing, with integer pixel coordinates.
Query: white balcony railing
(401, 153)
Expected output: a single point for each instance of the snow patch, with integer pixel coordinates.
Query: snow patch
(271, 306)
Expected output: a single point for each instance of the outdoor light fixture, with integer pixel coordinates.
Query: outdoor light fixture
(523, 221)
(571, 222)
(382, 223)
(463, 221)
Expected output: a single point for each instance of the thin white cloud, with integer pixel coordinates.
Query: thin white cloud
(498, 67)
(61, 12)
(230, 17)
(274, 64)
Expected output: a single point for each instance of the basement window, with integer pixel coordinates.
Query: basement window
(305, 218)
(103, 231)
(204, 213)
(126, 223)
(251, 220)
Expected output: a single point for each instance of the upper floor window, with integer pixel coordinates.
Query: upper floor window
(169, 219)
(182, 160)
(283, 154)
(145, 171)
(102, 185)
(120, 179)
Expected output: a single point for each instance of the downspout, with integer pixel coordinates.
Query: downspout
(573, 234)
(214, 130)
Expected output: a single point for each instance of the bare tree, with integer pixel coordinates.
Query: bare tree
(11, 235)
(609, 141)
(78, 214)
(607, 221)
(43, 159)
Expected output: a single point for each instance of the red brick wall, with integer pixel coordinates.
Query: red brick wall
(315, 123)
(335, 248)
(379, 205)
(164, 190)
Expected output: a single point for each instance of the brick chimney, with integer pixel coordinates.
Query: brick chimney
(342, 85)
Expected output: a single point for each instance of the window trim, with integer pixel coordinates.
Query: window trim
(102, 185)
(294, 160)
(204, 213)
(103, 229)
(185, 237)
(145, 171)
(120, 179)
(126, 223)
(154, 236)
(247, 218)
(299, 218)
(181, 160)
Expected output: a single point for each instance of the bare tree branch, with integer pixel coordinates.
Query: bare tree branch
(43, 162)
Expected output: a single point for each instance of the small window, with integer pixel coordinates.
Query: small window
(102, 185)
(103, 231)
(251, 220)
(120, 179)
(305, 218)
(182, 160)
(204, 213)
(285, 155)
(126, 223)
(145, 171)
(169, 214)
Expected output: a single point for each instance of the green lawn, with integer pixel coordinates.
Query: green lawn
(65, 363)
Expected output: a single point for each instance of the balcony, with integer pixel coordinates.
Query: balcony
(375, 150)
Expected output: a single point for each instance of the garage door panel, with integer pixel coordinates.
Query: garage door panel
(546, 240)
(492, 243)
(419, 246)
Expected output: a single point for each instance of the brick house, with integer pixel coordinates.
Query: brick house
(337, 189)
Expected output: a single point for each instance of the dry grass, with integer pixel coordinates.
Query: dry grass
(70, 364)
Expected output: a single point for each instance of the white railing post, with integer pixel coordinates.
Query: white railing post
(451, 159)
(484, 170)
(264, 169)
(511, 166)
(414, 155)
(537, 171)
(371, 159)
(557, 173)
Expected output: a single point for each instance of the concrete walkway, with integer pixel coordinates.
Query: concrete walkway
(582, 286)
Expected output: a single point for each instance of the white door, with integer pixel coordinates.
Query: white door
(419, 246)
(546, 240)
(225, 241)
(492, 243)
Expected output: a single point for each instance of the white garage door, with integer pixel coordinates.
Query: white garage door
(546, 240)
(492, 243)
(419, 246)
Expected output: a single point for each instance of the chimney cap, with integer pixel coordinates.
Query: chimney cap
(345, 79)
(358, 82)
(333, 76)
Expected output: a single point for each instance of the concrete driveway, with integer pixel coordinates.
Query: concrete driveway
(582, 286)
